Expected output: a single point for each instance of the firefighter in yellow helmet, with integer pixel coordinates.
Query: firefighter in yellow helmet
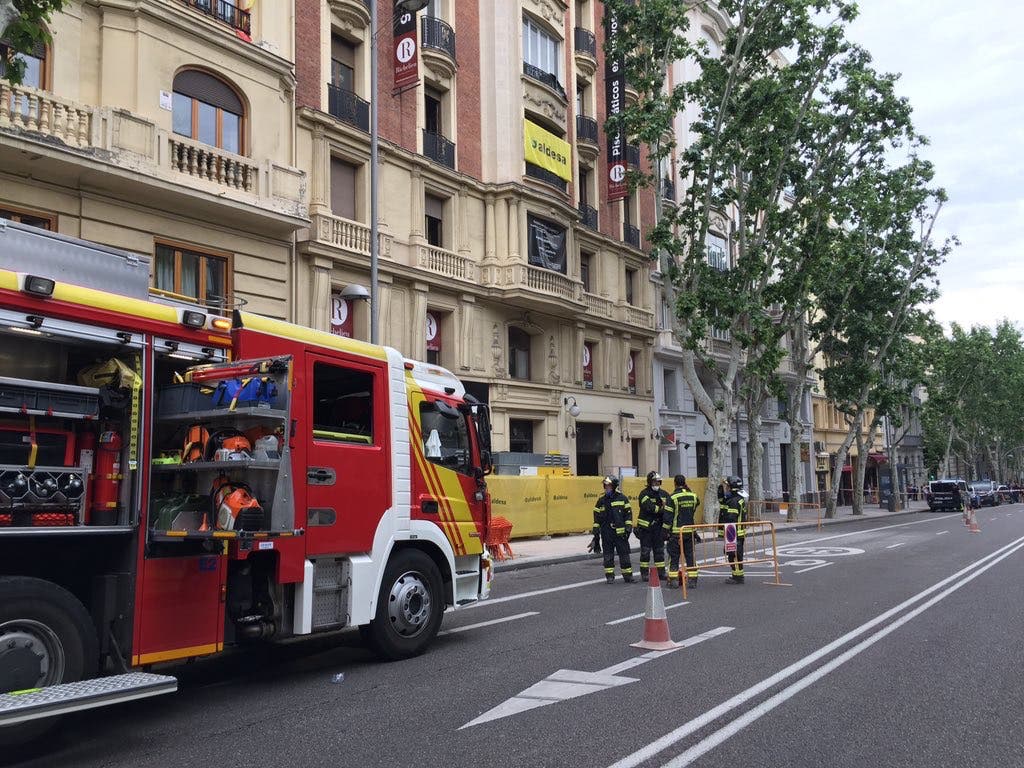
(613, 521)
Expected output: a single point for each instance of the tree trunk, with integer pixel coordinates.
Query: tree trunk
(949, 450)
(797, 393)
(857, 478)
(755, 458)
(837, 474)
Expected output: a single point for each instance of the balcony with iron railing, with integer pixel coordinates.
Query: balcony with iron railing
(547, 78)
(438, 36)
(588, 216)
(225, 11)
(587, 130)
(439, 149)
(546, 176)
(631, 235)
(348, 107)
(585, 50)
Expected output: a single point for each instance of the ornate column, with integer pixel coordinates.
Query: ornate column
(319, 197)
(467, 336)
(418, 322)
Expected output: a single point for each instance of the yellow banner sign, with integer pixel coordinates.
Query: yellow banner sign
(547, 151)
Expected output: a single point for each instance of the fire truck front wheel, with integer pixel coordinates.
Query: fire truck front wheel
(46, 637)
(409, 607)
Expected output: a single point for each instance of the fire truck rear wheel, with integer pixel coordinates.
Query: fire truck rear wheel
(409, 607)
(46, 638)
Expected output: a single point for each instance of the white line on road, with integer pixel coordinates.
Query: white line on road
(893, 546)
(641, 615)
(727, 707)
(756, 713)
(823, 565)
(534, 593)
(487, 623)
(941, 532)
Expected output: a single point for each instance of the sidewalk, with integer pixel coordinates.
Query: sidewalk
(530, 553)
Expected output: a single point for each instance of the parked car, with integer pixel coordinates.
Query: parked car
(986, 493)
(946, 495)
(1006, 495)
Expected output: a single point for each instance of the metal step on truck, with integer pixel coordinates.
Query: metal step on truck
(175, 482)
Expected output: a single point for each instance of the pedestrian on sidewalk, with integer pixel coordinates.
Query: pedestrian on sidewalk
(653, 502)
(679, 524)
(733, 509)
(613, 521)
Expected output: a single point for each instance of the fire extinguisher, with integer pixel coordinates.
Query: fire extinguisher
(86, 443)
(106, 486)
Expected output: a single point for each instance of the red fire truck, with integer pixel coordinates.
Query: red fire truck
(174, 482)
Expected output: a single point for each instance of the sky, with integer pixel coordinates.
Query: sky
(962, 66)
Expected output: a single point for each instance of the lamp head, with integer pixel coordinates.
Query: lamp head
(409, 6)
(355, 292)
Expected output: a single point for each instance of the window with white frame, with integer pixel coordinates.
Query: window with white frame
(540, 49)
(717, 253)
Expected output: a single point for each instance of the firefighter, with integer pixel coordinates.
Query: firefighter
(679, 523)
(613, 521)
(653, 503)
(733, 509)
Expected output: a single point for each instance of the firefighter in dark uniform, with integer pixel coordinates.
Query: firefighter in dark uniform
(613, 521)
(653, 502)
(733, 509)
(679, 522)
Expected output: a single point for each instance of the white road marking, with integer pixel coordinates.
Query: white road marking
(534, 593)
(641, 615)
(570, 683)
(893, 546)
(756, 713)
(727, 707)
(941, 532)
(487, 623)
(813, 567)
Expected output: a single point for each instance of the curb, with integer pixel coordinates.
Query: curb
(539, 560)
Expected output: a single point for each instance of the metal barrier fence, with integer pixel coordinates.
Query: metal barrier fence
(759, 542)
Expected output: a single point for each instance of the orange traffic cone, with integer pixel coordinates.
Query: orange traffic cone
(656, 634)
(973, 525)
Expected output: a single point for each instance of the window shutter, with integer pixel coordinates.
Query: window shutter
(208, 89)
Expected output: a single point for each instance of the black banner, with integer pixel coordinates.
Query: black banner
(614, 97)
(547, 244)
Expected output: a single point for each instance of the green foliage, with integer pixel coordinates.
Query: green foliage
(24, 32)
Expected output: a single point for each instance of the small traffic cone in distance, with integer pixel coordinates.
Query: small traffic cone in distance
(973, 528)
(656, 633)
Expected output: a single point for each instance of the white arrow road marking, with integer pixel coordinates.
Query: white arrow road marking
(893, 546)
(941, 532)
(570, 683)
(640, 615)
(486, 623)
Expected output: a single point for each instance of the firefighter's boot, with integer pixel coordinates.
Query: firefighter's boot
(609, 578)
(627, 578)
(673, 582)
(691, 583)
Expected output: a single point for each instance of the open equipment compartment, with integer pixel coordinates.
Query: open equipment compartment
(221, 467)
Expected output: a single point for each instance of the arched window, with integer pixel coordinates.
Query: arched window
(208, 110)
(35, 64)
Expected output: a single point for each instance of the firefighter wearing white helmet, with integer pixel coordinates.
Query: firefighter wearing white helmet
(613, 521)
(733, 509)
(654, 503)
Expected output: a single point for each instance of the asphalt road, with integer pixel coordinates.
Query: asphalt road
(899, 643)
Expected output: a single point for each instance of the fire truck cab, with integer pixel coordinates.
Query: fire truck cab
(174, 482)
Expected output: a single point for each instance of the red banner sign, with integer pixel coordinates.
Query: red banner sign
(407, 68)
(588, 365)
(341, 316)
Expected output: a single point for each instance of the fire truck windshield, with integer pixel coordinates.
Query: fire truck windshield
(446, 437)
